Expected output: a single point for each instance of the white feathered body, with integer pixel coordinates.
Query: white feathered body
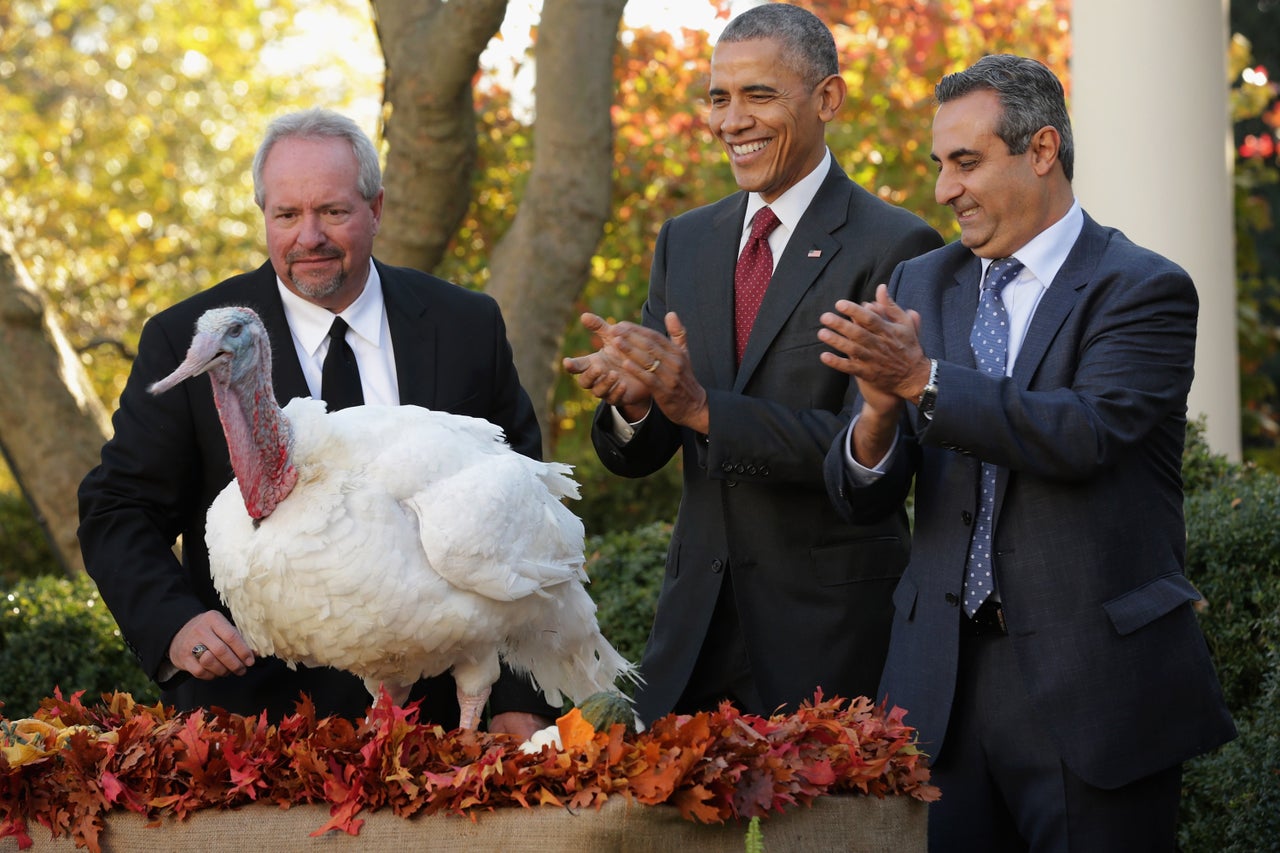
(391, 541)
(414, 542)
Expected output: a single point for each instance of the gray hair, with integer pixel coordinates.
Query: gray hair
(1031, 97)
(320, 123)
(807, 46)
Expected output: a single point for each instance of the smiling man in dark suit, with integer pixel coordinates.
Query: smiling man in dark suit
(768, 595)
(416, 339)
(1044, 643)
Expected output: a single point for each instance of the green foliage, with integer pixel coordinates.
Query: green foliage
(56, 632)
(1233, 558)
(626, 570)
(1201, 467)
(1231, 797)
(24, 547)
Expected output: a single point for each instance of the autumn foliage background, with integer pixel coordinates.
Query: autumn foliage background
(128, 132)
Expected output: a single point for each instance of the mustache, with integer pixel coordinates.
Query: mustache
(294, 257)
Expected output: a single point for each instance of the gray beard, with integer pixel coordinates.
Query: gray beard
(318, 290)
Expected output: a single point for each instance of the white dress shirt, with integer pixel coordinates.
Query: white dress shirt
(369, 337)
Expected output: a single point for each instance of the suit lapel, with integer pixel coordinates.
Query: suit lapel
(1058, 300)
(413, 338)
(713, 290)
(809, 250)
(959, 307)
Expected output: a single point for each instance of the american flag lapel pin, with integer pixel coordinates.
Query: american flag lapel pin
(815, 253)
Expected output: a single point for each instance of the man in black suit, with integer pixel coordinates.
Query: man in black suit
(1044, 643)
(768, 594)
(417, 340)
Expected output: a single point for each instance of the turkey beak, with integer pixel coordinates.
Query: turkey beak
(205, 352)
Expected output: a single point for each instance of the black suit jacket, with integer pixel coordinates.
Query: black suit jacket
(168, 460)
(812, 590)
(1089, 537)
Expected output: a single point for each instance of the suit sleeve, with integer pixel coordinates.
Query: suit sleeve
(1132, 367)
(512, 408)
(791, 443)
(136, 503)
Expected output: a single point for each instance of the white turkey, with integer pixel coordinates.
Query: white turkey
(394, 542)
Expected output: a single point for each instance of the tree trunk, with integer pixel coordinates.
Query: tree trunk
(541, 264)
(431, 49)
(52, 425)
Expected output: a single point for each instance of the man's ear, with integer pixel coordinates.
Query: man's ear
(1044, 147)
(832, 91)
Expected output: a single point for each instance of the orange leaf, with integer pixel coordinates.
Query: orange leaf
(575, 731)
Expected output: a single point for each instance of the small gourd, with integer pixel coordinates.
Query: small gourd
(604, 709)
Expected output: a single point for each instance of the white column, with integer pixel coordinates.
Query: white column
(1154, 158)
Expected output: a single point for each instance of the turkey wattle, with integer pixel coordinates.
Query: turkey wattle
(394, 542)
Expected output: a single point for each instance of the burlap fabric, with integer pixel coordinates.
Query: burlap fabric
(838, 823)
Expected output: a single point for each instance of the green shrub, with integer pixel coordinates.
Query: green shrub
(626, 570)
(56, 632)
(1201, 467)
(1233, 557)
(1232, 800)
(24, 545)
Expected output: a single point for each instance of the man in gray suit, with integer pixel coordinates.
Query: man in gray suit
(417, 339)
(1044, 643)
(768, 596)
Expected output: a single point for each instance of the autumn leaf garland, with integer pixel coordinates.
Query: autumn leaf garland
(73, 764)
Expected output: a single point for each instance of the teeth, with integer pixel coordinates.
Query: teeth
(749, 147)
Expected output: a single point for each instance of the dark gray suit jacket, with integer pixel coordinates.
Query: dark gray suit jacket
(812, 590)
(168, 460)
(1089, 535)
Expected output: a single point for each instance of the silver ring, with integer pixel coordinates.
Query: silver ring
(198, 649)
(651, 368)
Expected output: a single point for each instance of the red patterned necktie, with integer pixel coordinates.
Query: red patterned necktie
(751, 279)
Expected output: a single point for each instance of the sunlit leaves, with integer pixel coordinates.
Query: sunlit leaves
(74, 764)
(129, 128)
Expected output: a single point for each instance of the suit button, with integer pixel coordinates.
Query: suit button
(726, 467)
(966, 518)
(716, 566)
(953, 599)
(740, 468)
(764, 470)
(751, 469)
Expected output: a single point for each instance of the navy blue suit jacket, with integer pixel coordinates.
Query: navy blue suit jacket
(1089, 537)
(168, 460)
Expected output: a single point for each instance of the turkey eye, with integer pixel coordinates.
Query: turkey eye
(235, 330)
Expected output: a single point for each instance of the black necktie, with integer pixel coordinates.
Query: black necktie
(340, 378)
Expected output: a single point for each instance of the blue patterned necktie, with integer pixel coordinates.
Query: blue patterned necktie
(990, 342)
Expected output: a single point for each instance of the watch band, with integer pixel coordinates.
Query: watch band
(929, 394)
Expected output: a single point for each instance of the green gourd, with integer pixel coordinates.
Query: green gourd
(604, 709)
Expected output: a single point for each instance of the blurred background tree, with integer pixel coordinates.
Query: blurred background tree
(1255, 61)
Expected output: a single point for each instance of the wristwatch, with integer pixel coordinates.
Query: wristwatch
(929, 396)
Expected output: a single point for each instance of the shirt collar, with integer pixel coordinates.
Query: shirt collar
(1046, 252)
(310, 323)
(791, 205)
